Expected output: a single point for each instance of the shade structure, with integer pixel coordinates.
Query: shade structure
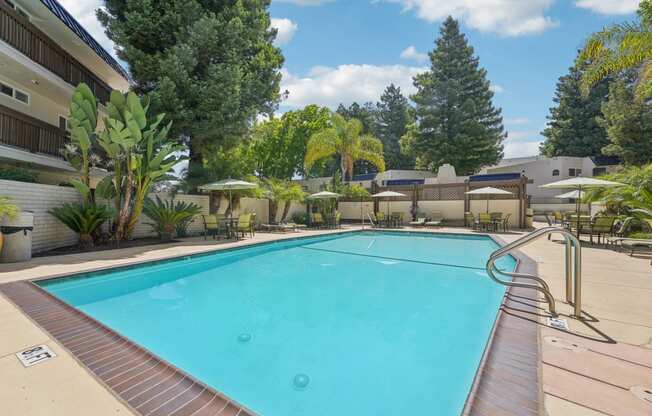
(387, 194)
(571, 195)
(488, 190)
(228, 185)
(324, 195)
(579, 184)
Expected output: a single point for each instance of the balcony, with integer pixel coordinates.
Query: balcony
(26, 38)
(24, 132)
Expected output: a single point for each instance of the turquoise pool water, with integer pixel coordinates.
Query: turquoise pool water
(366, 323)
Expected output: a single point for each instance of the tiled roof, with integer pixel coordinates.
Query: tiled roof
(74, 25)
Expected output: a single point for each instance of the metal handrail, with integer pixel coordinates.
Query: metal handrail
(571, 242)
(373, 224)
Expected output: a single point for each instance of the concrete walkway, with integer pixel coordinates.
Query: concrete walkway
(591, 370)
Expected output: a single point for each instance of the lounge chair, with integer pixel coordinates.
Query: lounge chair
(420, 221)
(635, 244)
(602, 227)
(558, 218)
(211, 225)
(435, 220)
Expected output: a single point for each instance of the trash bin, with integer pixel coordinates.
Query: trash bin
(17, 234)
(529, 218)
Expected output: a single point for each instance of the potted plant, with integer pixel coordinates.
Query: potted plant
(7, 210)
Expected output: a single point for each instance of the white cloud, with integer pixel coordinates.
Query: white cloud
(609, 6)
(305, 2)
(84, 12)
(521, 149)
(412, 53)
(497, 89)
(522, 143)
(347, 83)
(505, 17)
(286, 30)
(517, 120)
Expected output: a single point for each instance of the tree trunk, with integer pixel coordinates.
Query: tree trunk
(125, 209)
(85, 241)
(273, 209)
(286, 209)
(214, 202)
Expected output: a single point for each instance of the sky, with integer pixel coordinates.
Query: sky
(341, 51)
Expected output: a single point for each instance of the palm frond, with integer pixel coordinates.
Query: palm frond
(321, 145)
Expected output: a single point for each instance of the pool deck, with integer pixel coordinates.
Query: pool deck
(602, 359)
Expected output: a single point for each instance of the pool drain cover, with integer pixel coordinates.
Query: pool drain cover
(564, 344)
(642, 392)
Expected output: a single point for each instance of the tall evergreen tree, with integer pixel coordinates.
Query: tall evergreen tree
(573, 129)
(628, 123)
(210, 65)
(392, 119)
(456, 121)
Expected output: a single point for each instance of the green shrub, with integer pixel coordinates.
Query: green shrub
(168, 216)
(7, 209)
(18, 174)
(300, 218)
(84, 219)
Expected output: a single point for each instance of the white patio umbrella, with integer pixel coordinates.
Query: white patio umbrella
(387, 194)
(571, 195)
(323, 195)
(230, 185)
(579, 184)
(489, 191)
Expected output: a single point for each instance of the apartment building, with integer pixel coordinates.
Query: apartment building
(44, 54)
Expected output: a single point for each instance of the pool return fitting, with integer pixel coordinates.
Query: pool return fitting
(573, 269)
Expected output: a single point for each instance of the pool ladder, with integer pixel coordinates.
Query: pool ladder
(573, 268)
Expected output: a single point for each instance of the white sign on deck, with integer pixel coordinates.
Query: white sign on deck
(35, 355)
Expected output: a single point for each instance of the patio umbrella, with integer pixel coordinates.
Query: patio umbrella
(579, 184)
(230, 185)
(571, 195)
(324, 195)
(489, 191)
(387, 194)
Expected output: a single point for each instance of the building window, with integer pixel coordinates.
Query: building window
(64, 123)
(12, 92)
(574, 172)
(555, 172)
(599, 171)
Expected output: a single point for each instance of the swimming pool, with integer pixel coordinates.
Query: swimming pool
(358, 323)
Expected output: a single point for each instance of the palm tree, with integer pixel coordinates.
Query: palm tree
(344, 138)
(620, 47)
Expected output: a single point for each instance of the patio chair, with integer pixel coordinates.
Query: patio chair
(436, 220)
(382, 220)
(397, 218)
(505, 223)
(317, 220)
(484, 221)
(211, 225)
(558, 218)
(469, 220)
(602, 227)
(420, 220)
(337, 219)
(244, 225)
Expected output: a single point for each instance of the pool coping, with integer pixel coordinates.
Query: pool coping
(60, 317)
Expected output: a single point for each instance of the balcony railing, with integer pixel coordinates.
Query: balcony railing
(21, 34)
(22, 131)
